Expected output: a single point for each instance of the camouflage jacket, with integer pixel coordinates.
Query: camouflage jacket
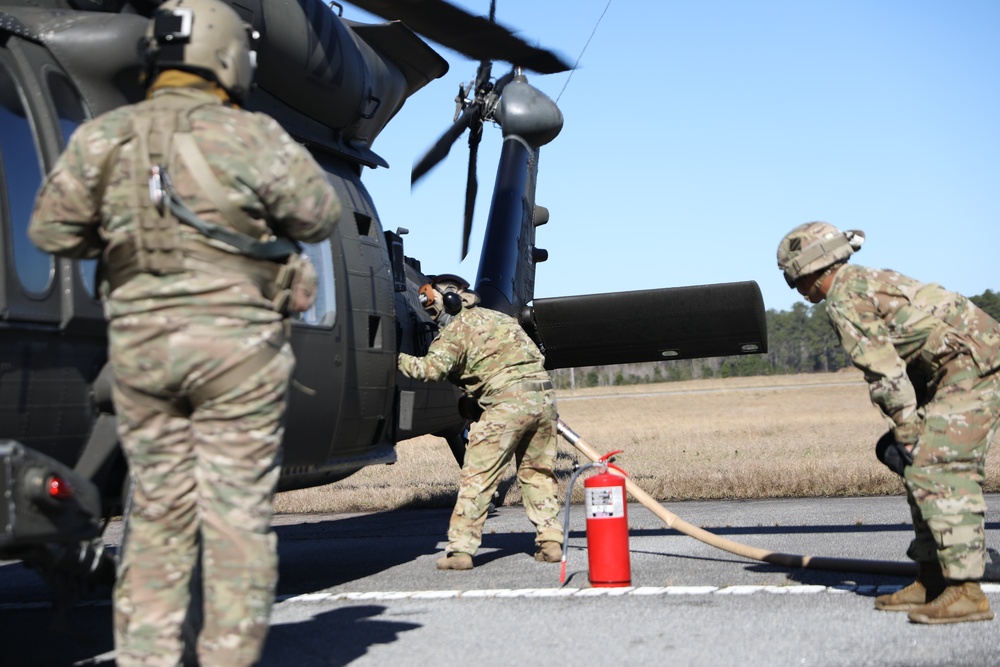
(900, 331)
(88, 201)
(482, 351)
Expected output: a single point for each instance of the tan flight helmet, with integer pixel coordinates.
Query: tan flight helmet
(446, 294)
(815, 246)
(205, 37)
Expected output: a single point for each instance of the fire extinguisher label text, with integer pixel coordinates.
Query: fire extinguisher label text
(605, 502)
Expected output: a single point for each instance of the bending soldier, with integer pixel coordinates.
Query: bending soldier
(491, 358)
(193, 206)
(930, 358)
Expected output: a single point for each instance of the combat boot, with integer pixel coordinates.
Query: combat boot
(961, 601)
(455, 561)
(930, 583)
(549, 552)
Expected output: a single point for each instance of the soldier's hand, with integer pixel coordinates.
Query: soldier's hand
(895, 455)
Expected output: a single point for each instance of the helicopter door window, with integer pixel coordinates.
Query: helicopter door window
(324, 311)
(18, 185)
(71, 113)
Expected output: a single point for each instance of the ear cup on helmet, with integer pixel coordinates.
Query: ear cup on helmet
(452, 302)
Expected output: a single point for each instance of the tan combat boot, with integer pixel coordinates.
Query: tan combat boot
(549, 552)
(961, 601)
(930, 583)
(455, 561)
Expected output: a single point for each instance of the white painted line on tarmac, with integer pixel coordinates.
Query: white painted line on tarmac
(644, 591)
(568, 592)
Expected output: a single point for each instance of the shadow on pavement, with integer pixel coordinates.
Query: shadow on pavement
(336, 637)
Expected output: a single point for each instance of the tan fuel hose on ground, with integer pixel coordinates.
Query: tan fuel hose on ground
(754, 553)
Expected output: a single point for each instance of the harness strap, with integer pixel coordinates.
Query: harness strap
(528, 385)
(187, 149)
(280, 249)
(157, 235)
(122, 264)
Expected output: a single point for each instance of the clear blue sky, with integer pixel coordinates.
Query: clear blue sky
(698, 133)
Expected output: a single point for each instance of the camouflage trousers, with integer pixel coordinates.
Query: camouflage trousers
(521, 427)
(204, 480)
(944, 484)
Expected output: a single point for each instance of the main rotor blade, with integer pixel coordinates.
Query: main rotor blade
(442, 146)
(483, 73)
(473, 36)
(471, 185)
(503, 81)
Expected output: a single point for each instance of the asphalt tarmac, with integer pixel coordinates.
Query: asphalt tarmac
(363, 590)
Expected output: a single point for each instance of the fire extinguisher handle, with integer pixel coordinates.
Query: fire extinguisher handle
(612, 465)
(606, 460)
(607, 456)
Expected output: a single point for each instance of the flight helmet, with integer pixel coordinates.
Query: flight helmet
(446, 294)
(205, 37)
(815, 246)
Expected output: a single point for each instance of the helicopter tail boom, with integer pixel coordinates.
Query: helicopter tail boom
(649, 325)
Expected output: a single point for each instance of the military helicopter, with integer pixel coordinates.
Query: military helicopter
(334, 84)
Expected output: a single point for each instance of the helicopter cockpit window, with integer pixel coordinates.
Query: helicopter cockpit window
(20, 183)
(324, 311)
(71, 113)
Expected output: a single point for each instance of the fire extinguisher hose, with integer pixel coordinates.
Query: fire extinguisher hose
(753, 553)
(569, 492)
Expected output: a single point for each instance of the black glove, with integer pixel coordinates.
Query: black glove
(893, 454)
(469, 408)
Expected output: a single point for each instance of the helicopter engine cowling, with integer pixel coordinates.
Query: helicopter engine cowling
(346, 79)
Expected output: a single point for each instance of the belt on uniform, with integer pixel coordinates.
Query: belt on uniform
(530, 385)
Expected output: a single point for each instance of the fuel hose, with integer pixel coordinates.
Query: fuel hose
(773, 557)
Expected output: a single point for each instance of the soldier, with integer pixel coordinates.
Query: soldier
(491, 358)
(192, 205)
(930, 358)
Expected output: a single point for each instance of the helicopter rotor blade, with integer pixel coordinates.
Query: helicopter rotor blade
(483, 73)
(503, 81)
(442, 146)
(471, 185)
(476, 37)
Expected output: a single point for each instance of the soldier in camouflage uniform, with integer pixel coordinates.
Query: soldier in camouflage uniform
(490, 357)
(931, 359)
(191, 202)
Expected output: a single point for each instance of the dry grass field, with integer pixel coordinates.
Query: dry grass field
(755, 437)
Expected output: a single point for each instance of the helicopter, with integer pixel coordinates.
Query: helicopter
(333, 84)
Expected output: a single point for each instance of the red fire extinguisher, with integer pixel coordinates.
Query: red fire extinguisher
(607, 528)
(607, 525)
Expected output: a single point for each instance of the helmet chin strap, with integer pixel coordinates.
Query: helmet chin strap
(815, 291)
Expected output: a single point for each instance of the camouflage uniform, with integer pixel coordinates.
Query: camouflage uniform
(489, 356)
(204, 464)
(930, 357)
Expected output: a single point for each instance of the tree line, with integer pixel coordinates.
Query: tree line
(801, 340)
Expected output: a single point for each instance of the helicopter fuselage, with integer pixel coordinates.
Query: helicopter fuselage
(60, 67)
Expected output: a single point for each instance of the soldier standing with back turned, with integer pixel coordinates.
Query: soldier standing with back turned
(491, 358)
(931, 359)
(193, 205)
